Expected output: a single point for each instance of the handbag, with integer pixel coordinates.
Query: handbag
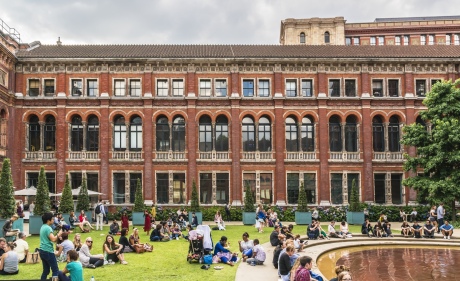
(139, 249)
(33, 258)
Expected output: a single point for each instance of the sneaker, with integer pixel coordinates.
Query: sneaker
(177, 238)
(445, 237)
(448, 237)
(124, 262)
(111, 262)
(91, 266)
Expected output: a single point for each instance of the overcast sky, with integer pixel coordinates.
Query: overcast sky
(191, 21)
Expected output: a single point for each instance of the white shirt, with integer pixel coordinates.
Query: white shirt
(21, 247)
(330, 229)
(260, 252)
(440, 212)
(247, 245)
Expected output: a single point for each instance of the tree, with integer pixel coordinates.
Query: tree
(7, 202)
(67, 198)
(302, 201)
(354, 198)
(139, 198)
(435, 166)
(83, 198)
(248, 200)
(195, 203)
(42, 199)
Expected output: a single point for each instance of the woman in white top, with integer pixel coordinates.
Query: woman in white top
(9, 262)
(246, 246)
(344, 229)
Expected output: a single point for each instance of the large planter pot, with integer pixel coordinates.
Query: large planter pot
(249, 218)
(19, 224)
(355, 217)
(2, 222)
(35, 223)
(89, 216)
(199, 216)
(138, 218)
(302, 218)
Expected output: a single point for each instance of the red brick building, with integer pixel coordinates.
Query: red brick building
(273, 117)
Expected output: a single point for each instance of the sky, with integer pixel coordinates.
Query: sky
(191, 21)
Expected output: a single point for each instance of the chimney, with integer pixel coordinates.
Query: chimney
(58, 42)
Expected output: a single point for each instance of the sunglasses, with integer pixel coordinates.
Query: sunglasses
(89, 241)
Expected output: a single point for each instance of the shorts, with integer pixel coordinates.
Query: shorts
(432, 219)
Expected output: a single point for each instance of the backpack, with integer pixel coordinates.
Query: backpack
(98, 209)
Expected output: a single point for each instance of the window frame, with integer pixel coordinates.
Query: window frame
(37, 89)
(356, 41)
(372, 41)
(307, 80)
(92, 90)
(164, 187)
(45, 92)
(74, 89)
(246, 89)
(162, 90)
(417, 91)
(381, 199)
(177, 92)
(76, 135)
(398, 40)
(260, 90)
(382, 88)
(134, 80)
(92, 134)
(220, 80)
(302, 38)
(289, 91)
(423, 39)
(207, 90)
(136, 136)
(391, 89)
(119, 90)
(332, 88)
(205, 185)
(346, 87)
(336, 199)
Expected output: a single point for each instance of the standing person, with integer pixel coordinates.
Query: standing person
(154, 212)
(315, 214)
(22, 247)
(9, 263)
(433, 218)
(73, 267)
(19, 209)
(106, 213)
(32, 208)
(194, 222)
(227, 211)
(441, 212)
(46, 250)
(147, 222)
(100, 212)
(303, 272)
(284, 263)
(125, 221)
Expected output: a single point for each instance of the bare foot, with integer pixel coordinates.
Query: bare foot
(230, 263)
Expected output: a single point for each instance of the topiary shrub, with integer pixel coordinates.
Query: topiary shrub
(83, 198)
(248, 200)
(302, 201)
(67, 197)
(139, 205)
(354, 198)
(195, 202)
(42, 199)
(7, 202)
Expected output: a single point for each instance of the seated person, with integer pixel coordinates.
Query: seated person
(344, 230)
(84, 222)
(366, 228)
(8, 227)
(378, 230)
(402, 214)
(9, 262)
(127, 247)
(276, 237)
(406, 229)
(417, 230)
(73, 267)
(413, 215)
(258, 254)
(285, 231)
(382, 218)
(298, 245)
(22, 247)
(313, 231)
(175, 231)
(113, 251)
(64, 245)
(246, 246)
(158, 235)
(447, 229)
(339, 269)
(332, 232)
(428, 229)
(194, 222)
(387, 229)
(86, 258)
(222, 254)
(322, 233)
(135, 240)
(114, 228)
(77, 242)
(73, 220)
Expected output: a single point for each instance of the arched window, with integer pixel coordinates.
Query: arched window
(302, 38)
(291, 133)
(351, 134)
(76, 134)
(119, 133)
(307, 134)
(221, 133)
(265, 134)
(49, 139)
(205, 133)
(378, 134)
(335, 134)
(34, 133)
(393, 134)
(135, 133)
(92, 134)
(178, 136)
(162, 134)
(327, 37)
(248, 130)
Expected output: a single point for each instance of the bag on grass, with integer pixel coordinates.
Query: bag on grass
(207, 259)
(33, 258)
(139, 249)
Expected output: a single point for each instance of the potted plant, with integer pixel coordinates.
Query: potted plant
(249, 211)
(302, 215)
(83, 201)
(195, 205)
(355, 214)
(7, 202)
(139, 206)
(66, 200)
(42, 203)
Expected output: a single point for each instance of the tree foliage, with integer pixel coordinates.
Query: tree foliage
(7, 202)
(42, 199)
(67, 198)
(248, 200)
(195, 203)
(436, 165)
(83, 198)
(355, 206)
(302, 201)
(139, 205)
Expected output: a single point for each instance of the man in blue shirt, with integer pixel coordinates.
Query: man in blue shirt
(447, 229)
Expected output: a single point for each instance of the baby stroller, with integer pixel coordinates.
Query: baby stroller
(200, 243)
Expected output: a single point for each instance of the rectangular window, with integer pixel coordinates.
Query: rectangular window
(420, 87)
(77, 87)
(406, 40)
(291, 88)
(334, 88)
(422, 39)
(92, 182)
(264, 88)
(119, 188)
(248, 88)
(162, 88)
(377, 88)
(434, 81)
(221, 87)
(448, 39)
(34, 87)
(178, 87)
(381, 40)
(222, 187)
(292, 188)
(307, 88)
(266, 188)
(373, 41)
(49, 87)
(92, 88)
(249, 180)
(356, 41)
(309, 182)
(119, 88)
(135, 88)
(347, 41)
(75, 180)
(205, 188)
(431, 39)
(398, 40)
(119, 141)
(179, 188)
(336, 189)
(379, 188)
(456, 39)
(350, 88)
(32, 180)
(133, 185)
(205, 88)
(350, 178)
(162, 188)
(51, 181)
(393, 88)
(396, 188)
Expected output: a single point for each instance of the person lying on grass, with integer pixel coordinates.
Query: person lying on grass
(223, 255)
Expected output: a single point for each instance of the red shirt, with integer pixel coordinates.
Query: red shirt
(302, 274)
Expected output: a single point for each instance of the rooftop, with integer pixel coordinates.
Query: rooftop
(405, 19)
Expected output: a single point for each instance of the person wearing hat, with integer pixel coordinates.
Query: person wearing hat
(8, 227)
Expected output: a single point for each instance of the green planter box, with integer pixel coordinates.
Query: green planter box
(249, 218)
(355, 217)
(89, 216)
(18, 224)
(138, 218)
(199, 216)
(2, 222)
(66, 218)
(302, 218)
(35, 223)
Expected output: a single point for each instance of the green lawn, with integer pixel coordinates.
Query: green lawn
(168, 261)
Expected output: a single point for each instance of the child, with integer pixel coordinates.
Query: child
(258, 254)
(73, 267)
(297, 244)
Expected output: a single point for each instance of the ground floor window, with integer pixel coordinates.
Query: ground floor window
(206, 188)
(162, 188)
(379, 188)
(249, 179)
(32, 180)
(266, 188)
(396, 188)
(222, 187)
(350, 178)
(75, 180)
(133, 177)
(336, 188)
(119, 188)
(309, 181)
(292, 188)
(179, 195)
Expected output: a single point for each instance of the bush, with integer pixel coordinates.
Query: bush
(7, 202)
(42, 199)
(302, 202)
(67, 198)
(354, 198)
(139, 205)
(248, 200)
(83, 198)
(195, 202)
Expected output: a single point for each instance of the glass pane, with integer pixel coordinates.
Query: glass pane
(379, 188)
(162, 188)
(206, 188)
(336, 189)
(293, 188)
